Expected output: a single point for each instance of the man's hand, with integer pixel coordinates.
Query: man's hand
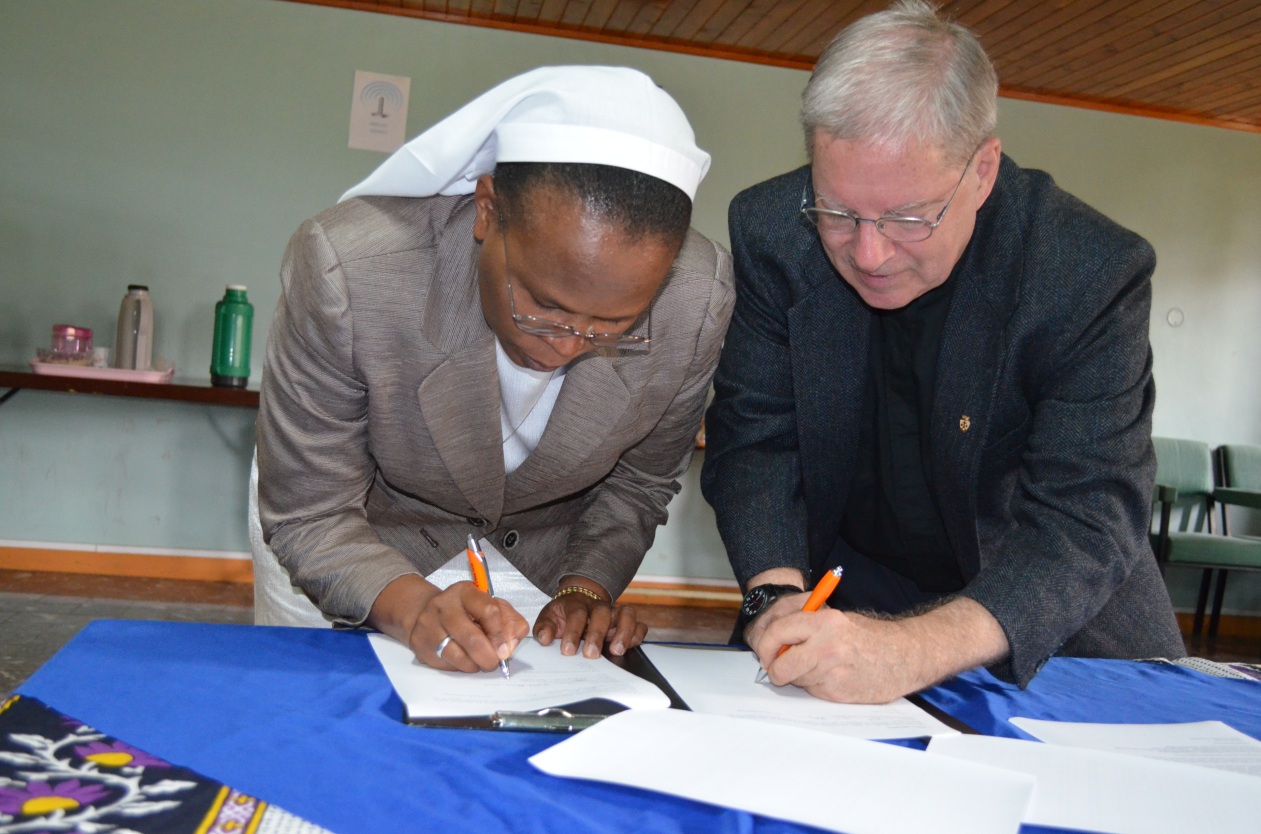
(482, 629)
(856, 659)
(578, 618)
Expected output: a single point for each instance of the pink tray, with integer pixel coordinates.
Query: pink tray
(86, 372)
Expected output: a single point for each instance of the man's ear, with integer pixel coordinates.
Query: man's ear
(988, 159)
(484, 202)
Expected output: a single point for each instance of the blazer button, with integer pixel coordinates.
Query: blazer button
(476, 522)
(510, 539)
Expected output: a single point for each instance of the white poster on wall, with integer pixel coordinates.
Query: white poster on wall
(378, 112)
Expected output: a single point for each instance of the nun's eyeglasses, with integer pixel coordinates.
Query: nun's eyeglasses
(537, 326)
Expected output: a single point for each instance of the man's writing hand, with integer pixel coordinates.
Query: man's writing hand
(856, 659)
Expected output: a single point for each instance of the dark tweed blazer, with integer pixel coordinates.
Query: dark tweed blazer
(379, 445)
(1041, 457)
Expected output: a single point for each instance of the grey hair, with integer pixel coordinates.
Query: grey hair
(902, 76)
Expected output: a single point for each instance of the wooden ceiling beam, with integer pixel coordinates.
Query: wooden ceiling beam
(1188, 60)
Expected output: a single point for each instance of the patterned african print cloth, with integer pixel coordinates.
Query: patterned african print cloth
(58, 775)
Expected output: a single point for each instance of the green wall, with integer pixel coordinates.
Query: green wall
(180, 144)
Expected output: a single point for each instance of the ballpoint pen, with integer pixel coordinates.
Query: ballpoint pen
(826, 585)
(481, 578)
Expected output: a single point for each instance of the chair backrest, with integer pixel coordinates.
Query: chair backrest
(1241, 466)
(1186, 465)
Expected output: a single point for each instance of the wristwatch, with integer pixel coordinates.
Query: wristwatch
(757, 600)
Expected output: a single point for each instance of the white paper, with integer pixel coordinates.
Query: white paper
(541, 677)
(1204, 743)
(378, 111)
(805, 776)
(509, 583)
(721, 682)
(1113, 793)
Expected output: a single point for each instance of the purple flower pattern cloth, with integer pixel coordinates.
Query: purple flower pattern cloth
(59, 775)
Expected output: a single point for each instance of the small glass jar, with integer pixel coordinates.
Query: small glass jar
(71, 345)
(70, 339)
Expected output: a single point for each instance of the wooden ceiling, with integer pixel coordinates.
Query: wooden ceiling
(1189, 60)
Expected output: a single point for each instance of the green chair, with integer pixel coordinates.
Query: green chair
(1186, 495)
(1240, 468)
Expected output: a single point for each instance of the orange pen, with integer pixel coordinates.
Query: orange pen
(826, 585)
(477, 562)
(481, 578)
(823, 590)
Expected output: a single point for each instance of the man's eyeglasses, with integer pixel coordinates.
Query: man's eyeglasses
(537, 326)
(841, 224)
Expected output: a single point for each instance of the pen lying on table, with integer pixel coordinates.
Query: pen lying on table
(826, 585)
(481, 578)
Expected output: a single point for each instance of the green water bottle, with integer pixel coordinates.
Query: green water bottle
(234, 322)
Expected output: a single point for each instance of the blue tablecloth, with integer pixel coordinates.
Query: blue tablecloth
(305, 718)
(1101, 691)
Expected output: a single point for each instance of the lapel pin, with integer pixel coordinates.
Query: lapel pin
(965, 423)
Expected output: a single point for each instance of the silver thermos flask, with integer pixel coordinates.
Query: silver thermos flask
(133, 348)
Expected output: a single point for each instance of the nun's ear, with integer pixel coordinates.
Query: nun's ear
(484, 202)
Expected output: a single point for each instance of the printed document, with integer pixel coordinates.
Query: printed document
(721, 682)
(541, 677)
(1204, 743)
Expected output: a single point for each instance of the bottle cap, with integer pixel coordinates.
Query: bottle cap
(240, 287)
(131, 287)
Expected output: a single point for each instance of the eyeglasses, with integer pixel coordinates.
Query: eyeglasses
(842, 224)
(537, 326)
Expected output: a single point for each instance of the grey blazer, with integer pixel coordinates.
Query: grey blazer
(1041, 457)
(379, 443)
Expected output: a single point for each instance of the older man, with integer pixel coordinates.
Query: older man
(937, 376)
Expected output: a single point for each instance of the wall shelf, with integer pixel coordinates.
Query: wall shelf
(16, 378)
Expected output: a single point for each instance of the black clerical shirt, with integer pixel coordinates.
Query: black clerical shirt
(890, 515)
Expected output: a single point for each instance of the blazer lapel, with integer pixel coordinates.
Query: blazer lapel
(459, 399)
(459, 402)
(592, 401)
(829, 330)
(973, 352)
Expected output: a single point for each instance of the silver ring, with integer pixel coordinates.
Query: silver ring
(442, 647)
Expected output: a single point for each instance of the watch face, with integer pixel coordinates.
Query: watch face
(756, 600)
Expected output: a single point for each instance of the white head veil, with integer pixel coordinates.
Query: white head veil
(603, 115)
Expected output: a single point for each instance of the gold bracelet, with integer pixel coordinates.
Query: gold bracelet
(578, 589)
